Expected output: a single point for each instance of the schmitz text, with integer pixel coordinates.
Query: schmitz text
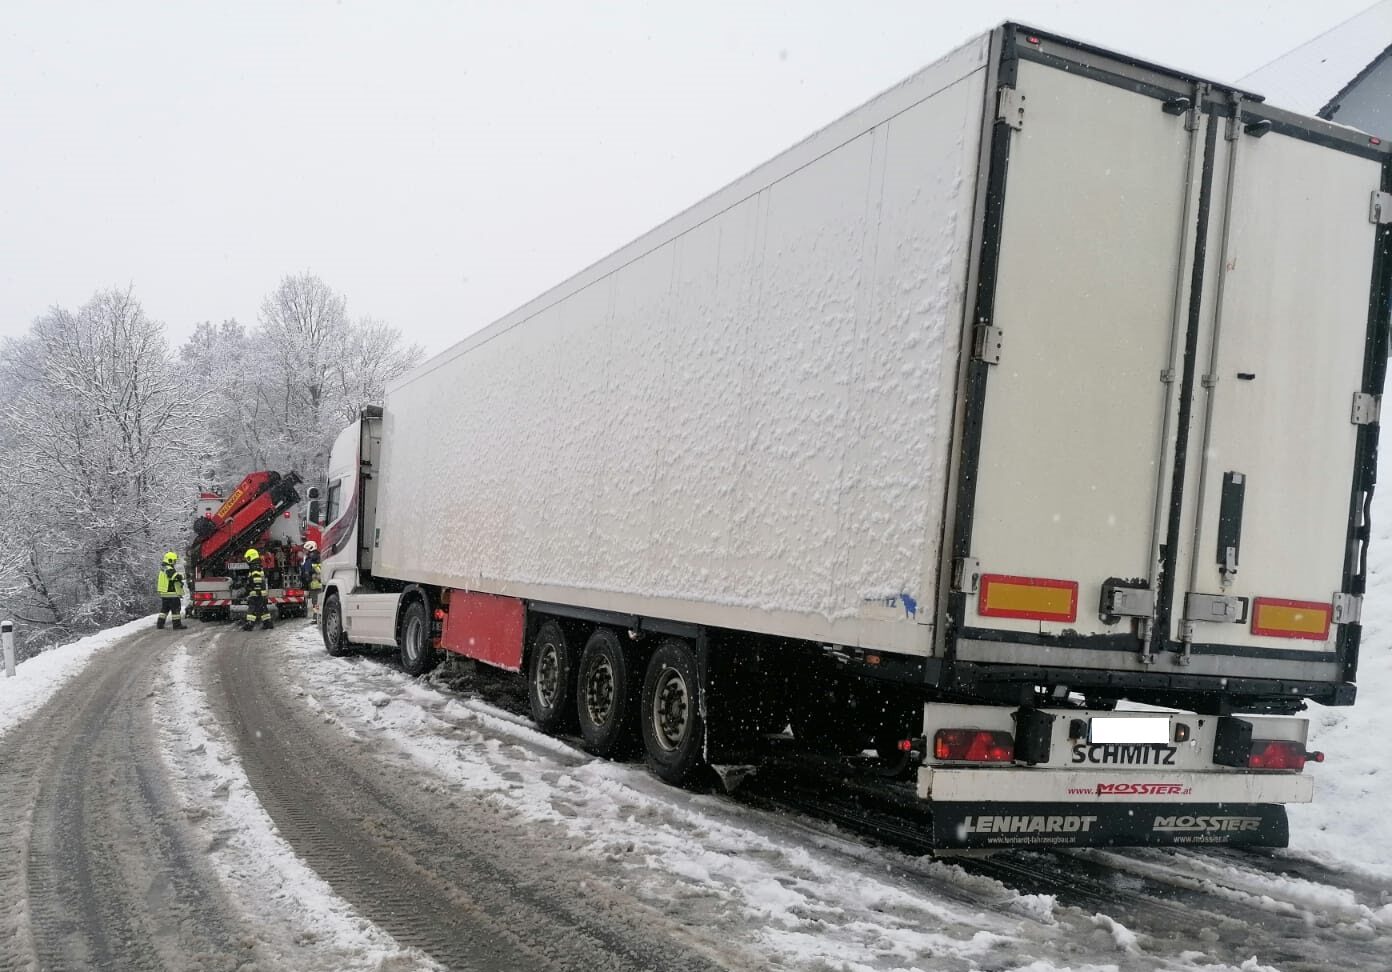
(1125, 754)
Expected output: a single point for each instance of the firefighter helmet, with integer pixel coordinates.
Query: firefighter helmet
(252, 555)
(310, 546)
(170, 557)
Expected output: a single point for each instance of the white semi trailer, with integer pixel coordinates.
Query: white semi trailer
(1045, 381)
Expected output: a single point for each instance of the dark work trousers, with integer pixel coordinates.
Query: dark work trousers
(257, 609)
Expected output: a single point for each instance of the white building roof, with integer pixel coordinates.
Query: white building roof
(1309, 77)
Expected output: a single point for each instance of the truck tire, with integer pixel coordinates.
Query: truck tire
(335, 638)
(551, 679)
(605, 692)
(673, 731)
(418, 655)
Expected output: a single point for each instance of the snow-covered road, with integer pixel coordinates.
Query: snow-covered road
(218, 799)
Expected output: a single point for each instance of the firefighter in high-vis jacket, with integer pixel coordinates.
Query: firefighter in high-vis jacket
(311, 578)
(170, 584)
(257, 609)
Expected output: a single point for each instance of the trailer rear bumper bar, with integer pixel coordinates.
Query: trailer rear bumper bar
(1132, 789)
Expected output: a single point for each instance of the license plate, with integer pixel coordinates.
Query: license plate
(1115, 729)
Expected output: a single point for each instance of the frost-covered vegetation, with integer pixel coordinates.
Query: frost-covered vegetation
(107, 435)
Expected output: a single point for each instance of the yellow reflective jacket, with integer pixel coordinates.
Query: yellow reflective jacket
(256, 582)
(314, 583)
(170, 583)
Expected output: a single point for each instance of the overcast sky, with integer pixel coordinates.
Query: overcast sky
(441, 163)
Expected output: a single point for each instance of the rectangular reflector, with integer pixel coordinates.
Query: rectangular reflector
(1034, 598)
(1280, 618)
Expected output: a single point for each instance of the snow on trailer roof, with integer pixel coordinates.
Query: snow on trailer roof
(1312, 77)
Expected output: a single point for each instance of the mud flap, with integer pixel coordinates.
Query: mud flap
(962, 826)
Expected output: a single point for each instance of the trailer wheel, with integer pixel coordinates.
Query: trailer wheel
(418, 655)
(335, 639)
(551, 679)
(605, 691)
(673, 732)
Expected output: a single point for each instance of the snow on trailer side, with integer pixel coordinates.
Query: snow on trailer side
(742, 419)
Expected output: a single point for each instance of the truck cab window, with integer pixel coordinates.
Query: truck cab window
(334, 501)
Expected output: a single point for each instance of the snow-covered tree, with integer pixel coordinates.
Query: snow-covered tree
(313, 369)
(101, 460)
(372, 356)
(220, 359)
(304, 327)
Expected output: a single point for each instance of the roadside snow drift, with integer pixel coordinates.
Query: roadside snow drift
(37, 679)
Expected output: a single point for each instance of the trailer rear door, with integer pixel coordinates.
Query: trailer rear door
(1073, 407)
(1281, 406)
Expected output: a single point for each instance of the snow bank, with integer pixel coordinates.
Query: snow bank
(1349, 822)
(38, 678)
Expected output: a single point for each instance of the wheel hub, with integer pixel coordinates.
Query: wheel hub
(412, 642)
(671, 709)
(548, 676)
(599, 692)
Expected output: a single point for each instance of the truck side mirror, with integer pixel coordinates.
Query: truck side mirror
(313, 493)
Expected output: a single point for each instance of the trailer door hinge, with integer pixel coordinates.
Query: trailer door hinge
(986, 344)
(1232, 132)
(1010, 107)
(1348, 609)
(1367, 409)
(1215, 607)
(1380, 207)
(966, 575)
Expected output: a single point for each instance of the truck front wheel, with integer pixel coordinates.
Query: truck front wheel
(673, 732)
(551, 679)
(417, 653)
(335, 639)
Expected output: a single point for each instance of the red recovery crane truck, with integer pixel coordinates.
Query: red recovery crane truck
(259, 513)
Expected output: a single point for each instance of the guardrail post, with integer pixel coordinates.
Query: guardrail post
(7, 636)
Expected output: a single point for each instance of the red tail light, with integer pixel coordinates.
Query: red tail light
(1279, 754)
(974, 745)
